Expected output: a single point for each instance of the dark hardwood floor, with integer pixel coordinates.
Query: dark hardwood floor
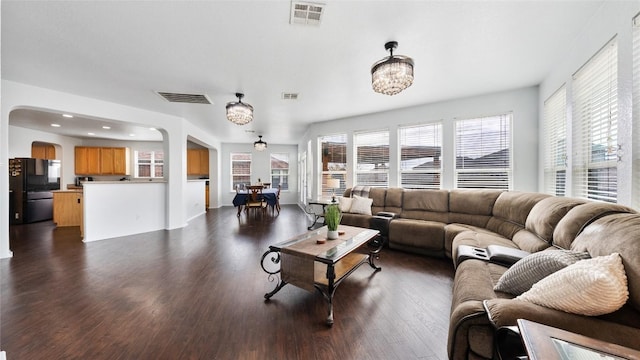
(197, 293)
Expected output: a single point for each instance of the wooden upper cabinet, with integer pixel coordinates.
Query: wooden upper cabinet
(197, 161)
(100, 160)
(43, 151)
(106, 161)
(120, 161)
(87, 160)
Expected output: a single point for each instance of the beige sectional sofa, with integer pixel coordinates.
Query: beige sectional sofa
(438, 222)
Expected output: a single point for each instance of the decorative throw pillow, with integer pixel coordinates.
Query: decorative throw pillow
(361, 205)
(532, 268)
(344, 203)
(590, 287)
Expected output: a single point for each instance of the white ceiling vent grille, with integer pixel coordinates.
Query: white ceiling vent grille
(185, 98)
(289, 96)
(306, 13)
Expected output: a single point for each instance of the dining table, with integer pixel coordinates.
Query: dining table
(270, 195)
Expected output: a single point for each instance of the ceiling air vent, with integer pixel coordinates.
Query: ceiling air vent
(185, 98)
(306, 13)
(289, 96)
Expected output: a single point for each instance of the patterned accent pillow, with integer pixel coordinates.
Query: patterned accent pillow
(361, 205)
(344, 203)
(533, 268)
(589, 287)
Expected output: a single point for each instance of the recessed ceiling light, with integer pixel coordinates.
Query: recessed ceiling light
(67, 115)
(55, 125)
(92, 134)
(132, 134)
(106, 127)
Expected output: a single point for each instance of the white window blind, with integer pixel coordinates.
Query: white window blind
(595, 126)
(636, 112)
(280, 171)
(555, 143)
(372, 158)
(483, 152)
(333, 157)
(240, 170)
(420, 156)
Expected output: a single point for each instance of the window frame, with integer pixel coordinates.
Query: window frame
(378, 172)
(433, 131)
(153, 163)
(271, 170)
(231, 172)
(484, 171)
(594, 172)
(555, 143)
(323, 190)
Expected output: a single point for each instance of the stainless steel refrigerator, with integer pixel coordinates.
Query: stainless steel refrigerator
(30, 183)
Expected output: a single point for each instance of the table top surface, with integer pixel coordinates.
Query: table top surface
(331, 251)
(544, 342)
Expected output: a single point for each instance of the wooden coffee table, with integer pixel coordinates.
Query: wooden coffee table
(303, 262)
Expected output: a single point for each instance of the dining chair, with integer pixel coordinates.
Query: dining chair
(255, 199)
(276, 206)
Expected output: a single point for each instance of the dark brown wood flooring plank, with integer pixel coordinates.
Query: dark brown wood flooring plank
(197, 293)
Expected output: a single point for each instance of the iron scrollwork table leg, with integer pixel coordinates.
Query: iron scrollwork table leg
(274, 259)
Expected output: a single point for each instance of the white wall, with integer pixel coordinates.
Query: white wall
(614, 19)
(260, 168)
(194, 201)
(523, 103)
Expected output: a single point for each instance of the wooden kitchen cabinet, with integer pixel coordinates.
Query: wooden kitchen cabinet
(67, 208)
(198, 162)
(100, 161)
(87, 160)
(43, 151)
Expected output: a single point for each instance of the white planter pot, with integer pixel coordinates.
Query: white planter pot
(332, 234)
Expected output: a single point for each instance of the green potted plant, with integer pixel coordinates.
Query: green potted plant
(332, 219)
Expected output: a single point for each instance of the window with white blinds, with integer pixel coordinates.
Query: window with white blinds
(240, 170)
(372, 158)
(483, 152)
(595, 126)
(280, 171)
(420, 156)
(333, 157)
(555, 143)
(636, 112)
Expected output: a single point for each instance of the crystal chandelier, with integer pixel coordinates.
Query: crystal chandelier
(238, 112)
(393, 74)
(260, 145)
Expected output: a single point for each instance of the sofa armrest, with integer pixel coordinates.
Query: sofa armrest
(505, 312)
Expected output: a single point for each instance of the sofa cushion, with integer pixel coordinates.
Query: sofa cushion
(533, 268)
(545, 215)
(393, 200)
(378, 195)
(426, 205)
(588, 287)
(361, 205)
(345, 204)
(580, 216)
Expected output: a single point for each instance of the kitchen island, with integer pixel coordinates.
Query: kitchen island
(121, 208)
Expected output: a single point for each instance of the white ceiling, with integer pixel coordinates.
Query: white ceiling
(125, 51)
